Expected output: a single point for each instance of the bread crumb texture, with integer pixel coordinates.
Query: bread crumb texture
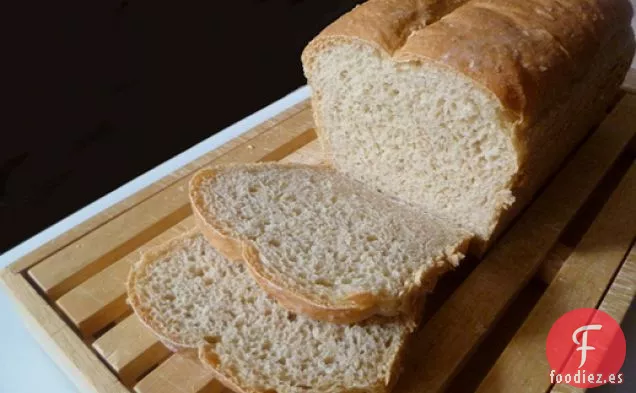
(196, 297)
(325, 236)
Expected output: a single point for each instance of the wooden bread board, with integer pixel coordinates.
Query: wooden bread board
(572, 247)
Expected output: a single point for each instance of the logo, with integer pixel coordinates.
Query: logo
(586, 348)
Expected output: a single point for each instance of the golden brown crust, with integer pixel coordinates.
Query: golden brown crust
(386, 24)
(541, 161)
(356, 308)
(526, 52)
(523, 51)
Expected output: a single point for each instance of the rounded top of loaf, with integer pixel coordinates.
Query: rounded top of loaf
(522, 51)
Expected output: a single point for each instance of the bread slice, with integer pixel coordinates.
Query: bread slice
(321, 244)
(465, 110)
(193, 297)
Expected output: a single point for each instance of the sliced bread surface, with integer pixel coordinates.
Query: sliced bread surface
(321, 244)
(193, 297)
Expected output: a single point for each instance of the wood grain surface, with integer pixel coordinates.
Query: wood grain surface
(130, 349)
(181, 373)
(580, 283)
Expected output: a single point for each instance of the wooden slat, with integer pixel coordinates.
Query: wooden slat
(70, 266)
(616, 303)
(310, 154)
(623, 290)
(581, 282)
(60, 342)
(181, 373)
(553, 262)
(444, 343)
(130, 349)
(99, 300)
(96, 221)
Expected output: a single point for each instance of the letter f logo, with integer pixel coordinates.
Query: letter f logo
(572, 331)
(583, 346)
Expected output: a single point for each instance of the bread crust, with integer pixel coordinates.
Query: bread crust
(355, 308)
(522, 51)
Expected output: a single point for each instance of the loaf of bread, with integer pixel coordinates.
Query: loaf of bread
(190, 296)
(442, 119)
(322, 244)
(464, 108)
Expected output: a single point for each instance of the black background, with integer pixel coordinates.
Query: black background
(99, 92)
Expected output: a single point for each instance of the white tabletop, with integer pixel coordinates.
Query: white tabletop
(25, 368)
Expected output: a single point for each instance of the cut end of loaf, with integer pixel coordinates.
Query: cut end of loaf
(417, 131)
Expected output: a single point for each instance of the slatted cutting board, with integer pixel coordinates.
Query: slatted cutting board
(485, 325)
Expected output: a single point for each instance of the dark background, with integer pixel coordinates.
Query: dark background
(99, 92)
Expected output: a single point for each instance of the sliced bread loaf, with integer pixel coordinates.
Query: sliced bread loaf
(193, 297)
(321, 244)
(466, 110)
